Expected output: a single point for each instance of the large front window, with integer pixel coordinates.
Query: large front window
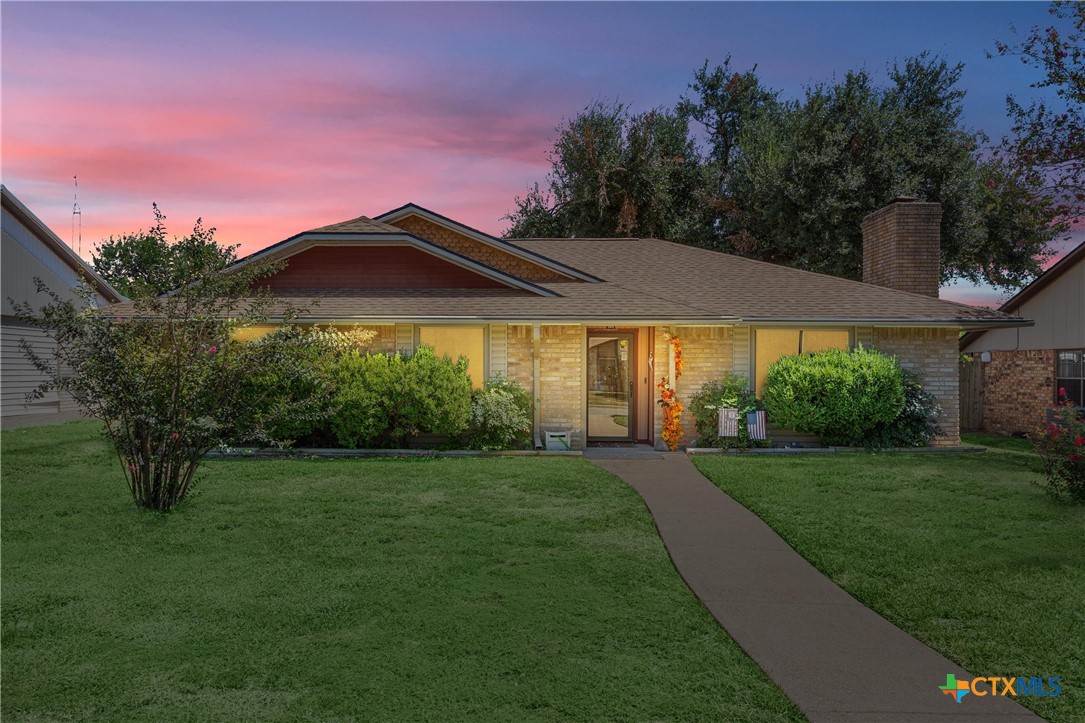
(771, 344)
(1070, 375)
(457, 341)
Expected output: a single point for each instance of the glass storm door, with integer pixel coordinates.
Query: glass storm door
(610, 387)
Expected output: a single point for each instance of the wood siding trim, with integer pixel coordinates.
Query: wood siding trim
(741, 356)
(364, 268)
(405, 338)
(499, 350)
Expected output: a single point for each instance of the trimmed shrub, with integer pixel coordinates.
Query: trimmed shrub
(500, 416)
(915, 426)
(730, 392)
(311, 362)
(385, 400)
(837, 394)
(1062, 452)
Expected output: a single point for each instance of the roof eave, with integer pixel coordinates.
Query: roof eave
(45, 234)
(889, 322)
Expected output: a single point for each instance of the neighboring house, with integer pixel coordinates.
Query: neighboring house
(583, 324)
(1018, 372)
(31, 250)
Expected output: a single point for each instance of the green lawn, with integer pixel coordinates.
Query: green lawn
(962, 551)
(516, 589)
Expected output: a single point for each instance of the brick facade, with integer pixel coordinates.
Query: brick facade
(708, 355)
(933, 355)
(521, 363)
(901, 247)
(1018, 390)
(561, 373)
(469, 247)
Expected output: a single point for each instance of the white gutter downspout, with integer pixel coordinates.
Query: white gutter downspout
(536, 382)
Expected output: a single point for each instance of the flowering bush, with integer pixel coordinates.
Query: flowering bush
(1061, 447)
(169, 378)
(500, 416)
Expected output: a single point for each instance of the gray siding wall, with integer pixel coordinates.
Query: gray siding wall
(1059, 313)
(22, 257)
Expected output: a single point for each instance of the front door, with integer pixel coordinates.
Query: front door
(611, 377)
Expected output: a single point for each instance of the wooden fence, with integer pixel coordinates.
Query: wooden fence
(971, 396)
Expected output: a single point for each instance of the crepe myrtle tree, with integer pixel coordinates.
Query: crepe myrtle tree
(168, 377)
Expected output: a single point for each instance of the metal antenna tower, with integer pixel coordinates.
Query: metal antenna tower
(76, 211)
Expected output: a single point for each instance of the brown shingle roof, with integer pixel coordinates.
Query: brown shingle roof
(362, 224)
(656, 281)
(726, 285)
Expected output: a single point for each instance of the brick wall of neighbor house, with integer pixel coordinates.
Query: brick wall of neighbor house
(476, 250)
(561, 368)
(708, 355)
(901, 246)
(933, 355)
(1018, 389)
(520, 361)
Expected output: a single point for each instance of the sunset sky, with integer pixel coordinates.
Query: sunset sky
(270, 118)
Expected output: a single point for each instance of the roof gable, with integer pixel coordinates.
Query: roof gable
(55, 246)
(350, 234)
(480, 246)
(361, 268)
(1038, 285)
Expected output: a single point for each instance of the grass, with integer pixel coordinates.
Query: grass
(999, 442)
(962, 551)
(515, 589)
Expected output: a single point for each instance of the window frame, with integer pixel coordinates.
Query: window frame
(1079, 379)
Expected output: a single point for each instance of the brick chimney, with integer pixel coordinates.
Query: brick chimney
(901, 244)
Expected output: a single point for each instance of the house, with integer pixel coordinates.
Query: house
(588, 326)
(30, 249)
(1018, 372)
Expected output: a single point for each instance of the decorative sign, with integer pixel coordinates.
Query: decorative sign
(755, 425)
(728, 423)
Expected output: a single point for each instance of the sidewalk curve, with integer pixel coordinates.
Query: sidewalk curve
(834, 657)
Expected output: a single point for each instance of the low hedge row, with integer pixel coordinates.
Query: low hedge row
(377, 400)
(854, 398)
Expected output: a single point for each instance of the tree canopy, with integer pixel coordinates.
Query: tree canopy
(1047, 144)
(734, 167)
(147, 263)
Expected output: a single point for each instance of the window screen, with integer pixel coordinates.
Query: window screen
(456, 341)
(771, 344)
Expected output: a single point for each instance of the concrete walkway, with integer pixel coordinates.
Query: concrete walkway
(835, 658)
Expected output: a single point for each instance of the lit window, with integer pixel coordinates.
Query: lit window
(457, 341)
(1070, 375)
(771, 344)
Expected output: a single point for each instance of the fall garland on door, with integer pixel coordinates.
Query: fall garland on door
(668, 399)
